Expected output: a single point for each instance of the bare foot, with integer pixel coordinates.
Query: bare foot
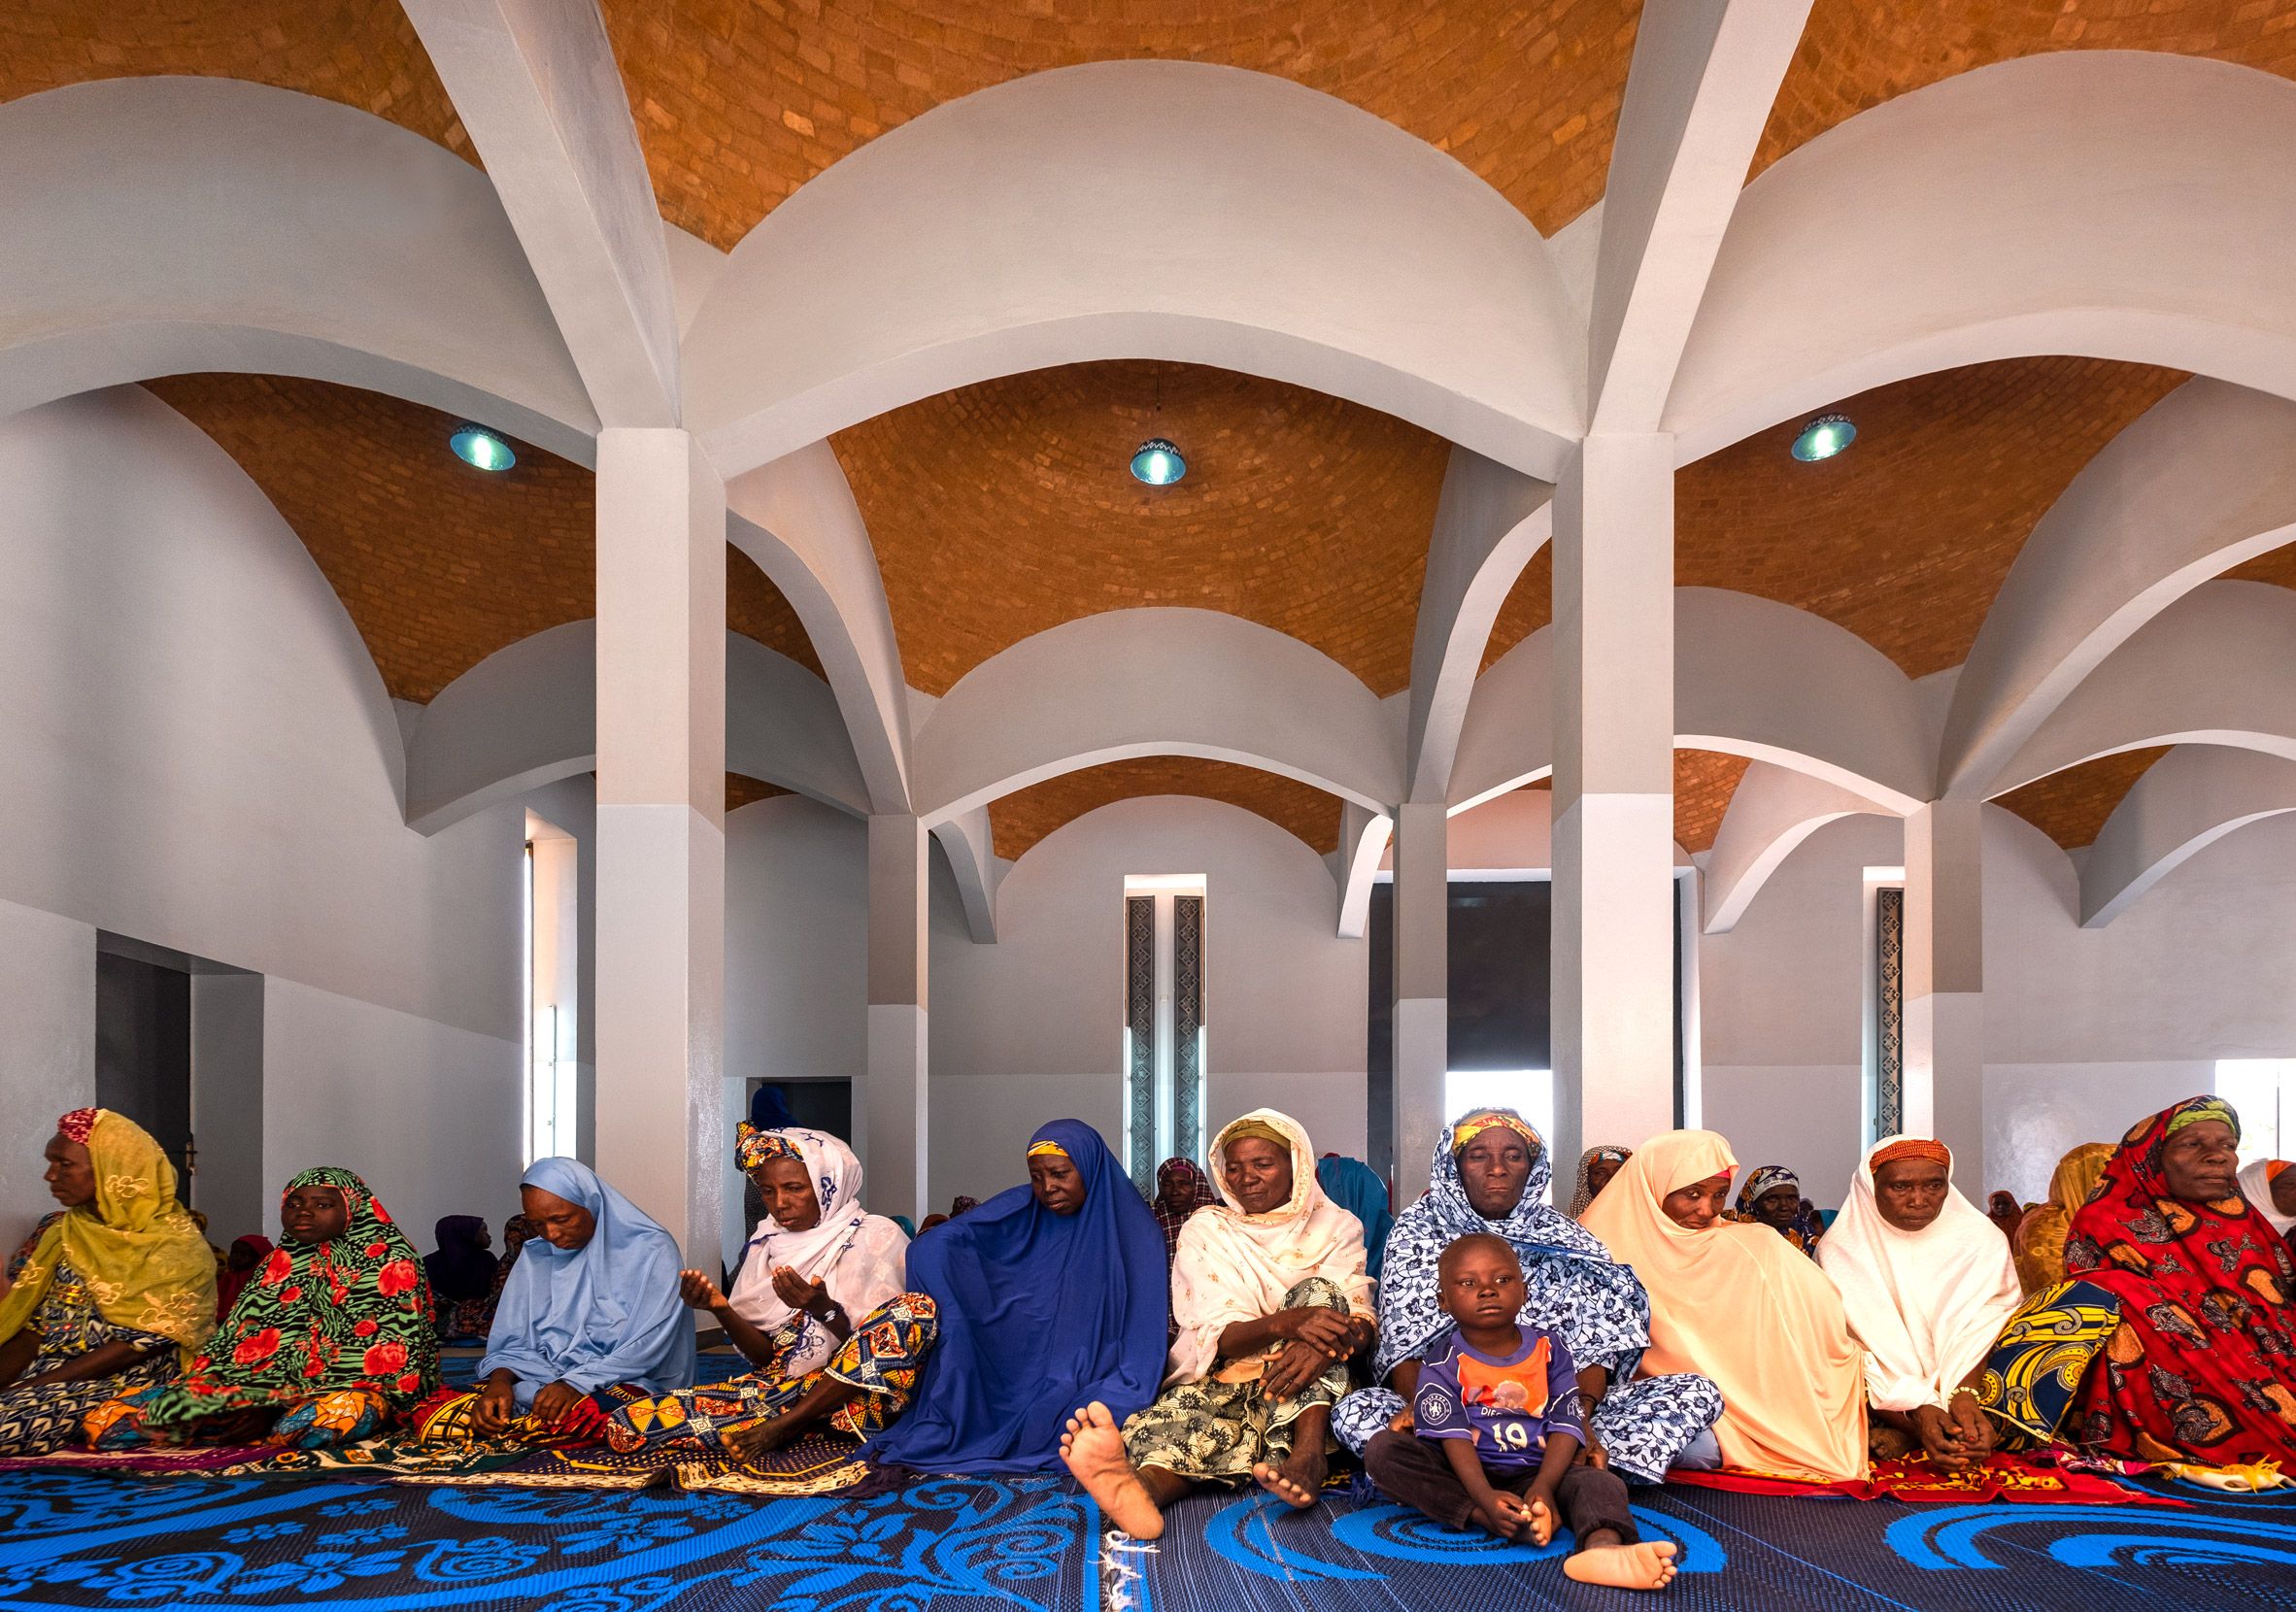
(1280, 1482)
(1092, 1451)
(1538, 1520)
(1645, 1567)
(751, 1442)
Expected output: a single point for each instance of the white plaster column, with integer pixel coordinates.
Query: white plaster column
(660, 985)
(893, 1109)
(1615, 903)
(1945, 984)
(1422, 990)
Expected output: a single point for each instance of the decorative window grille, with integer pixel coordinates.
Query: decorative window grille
(1889, 998)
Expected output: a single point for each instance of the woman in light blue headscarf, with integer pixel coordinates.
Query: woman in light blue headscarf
(589, 1321)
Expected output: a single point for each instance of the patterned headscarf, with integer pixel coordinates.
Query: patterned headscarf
(145, 1264)
(353, 1313)
(1168, 1174)
(1571, 1284)
(813, 1253)
(1761, 1181)
(1584, 1195)
(752, 1146)
(2193, 1110)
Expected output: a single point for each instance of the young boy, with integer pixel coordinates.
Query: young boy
(1499, 1427)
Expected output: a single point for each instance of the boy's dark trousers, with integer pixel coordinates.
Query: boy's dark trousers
(1415, 1471)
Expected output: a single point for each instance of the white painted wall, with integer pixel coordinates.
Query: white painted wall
(1031, 1029)
(2086, 1030)
(48, 969)
(200, 755)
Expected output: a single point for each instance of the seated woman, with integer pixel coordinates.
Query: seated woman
(1490, 1178)
(1356, 1187)
(461, 1272)
(1737, 1305)
(115, 1292)
(819, 1309)
(1050, 1296)
(2201, 1366)
(1927, 1285)
(1181, 1190)
(1772, 1196)
(1596, 1168)
(1269, 1291)
(2039, 1243)
(330, 1343)
(589, 1321)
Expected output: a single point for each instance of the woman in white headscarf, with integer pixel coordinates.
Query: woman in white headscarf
(1271, 1302)
(818, 1308)
(1928, 1284)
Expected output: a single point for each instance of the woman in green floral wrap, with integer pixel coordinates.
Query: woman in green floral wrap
(330, 1342)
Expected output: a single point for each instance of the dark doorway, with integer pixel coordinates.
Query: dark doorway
(144, 1053)
(816, 1104)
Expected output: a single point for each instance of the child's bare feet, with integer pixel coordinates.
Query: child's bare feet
(1644, 1567)
(1541, 1520)
(1093, 1450)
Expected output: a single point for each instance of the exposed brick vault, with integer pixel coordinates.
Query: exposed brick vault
(739, 102)
(1021, 819)
(361, 53)
(1002, 509)
(439, 564)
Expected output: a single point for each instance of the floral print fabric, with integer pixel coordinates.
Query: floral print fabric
(349, 1315)
(41, 1418)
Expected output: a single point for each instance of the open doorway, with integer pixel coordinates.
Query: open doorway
(179, 1049)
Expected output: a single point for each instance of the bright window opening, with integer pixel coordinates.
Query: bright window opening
(551, 1096)
(2262, 1091)
(1163, 1022)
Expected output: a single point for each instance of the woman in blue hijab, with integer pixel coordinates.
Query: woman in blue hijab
(1356, 1187)
(589, 1319)
(1051, 1295)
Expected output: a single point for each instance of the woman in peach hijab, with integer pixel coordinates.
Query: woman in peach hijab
(1740, 1305)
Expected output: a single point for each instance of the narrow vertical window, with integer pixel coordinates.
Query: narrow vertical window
(1164, 1035)
(1889, 1005)
(551, 1094)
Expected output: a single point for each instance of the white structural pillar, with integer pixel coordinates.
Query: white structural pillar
(1615, 903)
(1422, 990)
(660, 990)
(894, 1106)
(1943, 1089)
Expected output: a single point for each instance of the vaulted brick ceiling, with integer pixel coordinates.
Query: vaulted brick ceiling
(1858, 53)
(361, 53)
(439, 564)
(739, 103)
(1002, 509)
(2070, 806)
(1026, 816)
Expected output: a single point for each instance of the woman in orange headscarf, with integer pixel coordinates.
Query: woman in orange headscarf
(1739, 1304)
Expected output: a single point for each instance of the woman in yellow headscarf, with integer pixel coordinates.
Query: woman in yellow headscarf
(2040, 1239)
(1740, 1305)
(113, 1293)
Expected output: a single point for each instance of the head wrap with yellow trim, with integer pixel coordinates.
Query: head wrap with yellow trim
(1045, 1150)
(1249, 1127)
(145, 1264)
(1908, 1147)
(1494, 1119)
(752, 1147)
(2194, 1110)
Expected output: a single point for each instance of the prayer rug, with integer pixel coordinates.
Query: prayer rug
(146, 1464)
(2003, 1477)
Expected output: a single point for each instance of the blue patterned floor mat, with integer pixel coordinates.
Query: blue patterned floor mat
(967, 1545)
